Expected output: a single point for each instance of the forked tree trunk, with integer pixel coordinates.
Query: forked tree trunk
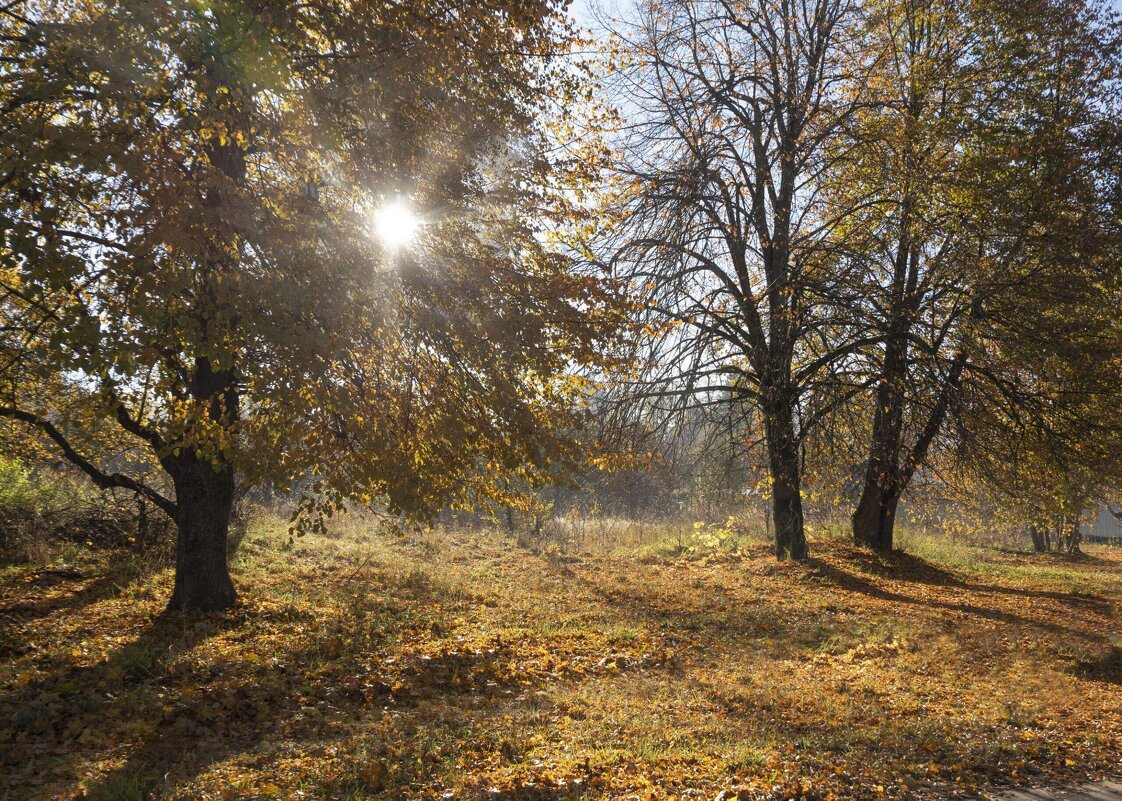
(786, 483)
(205, 500)
(874, 520)
(891, 465)
(1039, 535)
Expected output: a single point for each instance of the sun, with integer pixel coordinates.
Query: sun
(396, 224)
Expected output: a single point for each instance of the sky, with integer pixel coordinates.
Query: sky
(581, 10)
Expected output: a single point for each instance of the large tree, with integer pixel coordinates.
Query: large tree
(908, 239)
(979, 158)
(730, 107)
(188, 193)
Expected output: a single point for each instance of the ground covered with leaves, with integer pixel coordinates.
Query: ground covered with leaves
(460, 664)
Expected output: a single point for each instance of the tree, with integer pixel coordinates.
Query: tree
(730, 107)
(907, 240)
(1052, 449)
(186, 193)
(1061, 457)
(981, 220)
(1050, 441)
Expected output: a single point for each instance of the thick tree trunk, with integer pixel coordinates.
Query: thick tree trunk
(205, 499)
(874, 520)
(1071, 533)
(786, 482)
(1039, 535)
(891, 466)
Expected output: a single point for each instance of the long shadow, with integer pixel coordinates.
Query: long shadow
(639, 604)
(635, 603)
(1105, 668)
(854, 583)
(51, 713)
(94, 587)
(194, 720)
(213, 720)
(906, 567)
(191, 721)
(855, 748)
(91, 589)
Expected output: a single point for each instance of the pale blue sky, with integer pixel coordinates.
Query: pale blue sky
(581, 10)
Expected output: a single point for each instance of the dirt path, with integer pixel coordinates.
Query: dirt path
(1103, 791)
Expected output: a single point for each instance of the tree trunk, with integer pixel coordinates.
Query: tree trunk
(874, 520)
(1071, 534)
(786, 482)
(1039, 536)
(205, 499)
(891, 466)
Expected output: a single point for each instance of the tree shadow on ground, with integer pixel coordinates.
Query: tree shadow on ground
(271, 712)
(907, 567)
(637, 603)
(47, 591)
(206, 721)
(167, 730)
(32, 596)
(54, 716)
(851, 582)
(163, 731)
(93, 588)
(1105, 667)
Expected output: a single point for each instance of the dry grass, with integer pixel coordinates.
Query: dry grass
(458, 664)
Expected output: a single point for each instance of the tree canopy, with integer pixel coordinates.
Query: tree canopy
(857, 219)
(188, 249)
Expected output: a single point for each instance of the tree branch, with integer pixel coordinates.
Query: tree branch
(102, 479)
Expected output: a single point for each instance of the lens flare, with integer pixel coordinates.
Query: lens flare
(396, 224)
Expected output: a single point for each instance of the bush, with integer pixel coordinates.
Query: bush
(41, 507)
(24, 497)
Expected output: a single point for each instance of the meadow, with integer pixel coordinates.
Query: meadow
(445, 260)
(599, 659)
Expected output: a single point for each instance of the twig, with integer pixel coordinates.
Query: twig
(360, 567)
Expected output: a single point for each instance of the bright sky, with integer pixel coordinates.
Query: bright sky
(579, 9)
(582, 10)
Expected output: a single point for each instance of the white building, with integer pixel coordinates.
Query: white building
(1106, 524)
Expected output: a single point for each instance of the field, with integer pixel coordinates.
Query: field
(462, 663)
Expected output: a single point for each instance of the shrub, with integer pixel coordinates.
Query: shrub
(23, 496)
(39, 508)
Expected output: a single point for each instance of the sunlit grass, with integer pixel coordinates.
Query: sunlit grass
(365, 665)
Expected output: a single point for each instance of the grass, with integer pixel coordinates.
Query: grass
(678, 662)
